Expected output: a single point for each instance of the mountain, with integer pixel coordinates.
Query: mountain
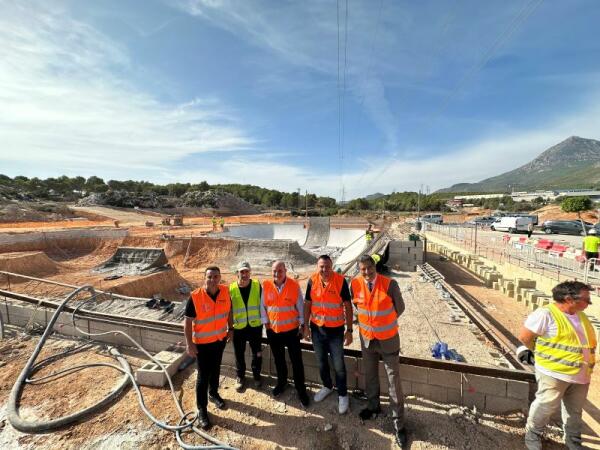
(573, 163)
(374, 196)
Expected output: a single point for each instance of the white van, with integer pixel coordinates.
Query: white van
(511, 224)
(432, 218)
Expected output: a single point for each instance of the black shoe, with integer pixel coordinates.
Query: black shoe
(257, 381)
(203, 420)
(278, 389)
(401, 438)
(217, 401)
(367, 413)
(304, 399)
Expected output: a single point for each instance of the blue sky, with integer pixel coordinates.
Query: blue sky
(424, 93)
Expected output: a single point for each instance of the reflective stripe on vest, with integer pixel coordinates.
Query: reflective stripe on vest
(210, 323)
(281, 306)
(563, 353)
(242, 315)
(377, 318)
(327, 308)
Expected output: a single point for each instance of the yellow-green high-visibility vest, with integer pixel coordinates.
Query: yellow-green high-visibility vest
(564, 352)
(242, 315)
(376, 258)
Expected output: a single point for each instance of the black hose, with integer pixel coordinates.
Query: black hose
(43, 426)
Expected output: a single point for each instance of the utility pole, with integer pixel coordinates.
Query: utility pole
(306, 204)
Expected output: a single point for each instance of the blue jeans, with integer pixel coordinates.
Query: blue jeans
(330, 341)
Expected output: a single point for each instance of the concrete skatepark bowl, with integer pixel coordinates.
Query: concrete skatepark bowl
(343, 245)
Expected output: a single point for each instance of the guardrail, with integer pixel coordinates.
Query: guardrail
(501, 248)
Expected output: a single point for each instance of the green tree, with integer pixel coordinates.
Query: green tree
(576, 204)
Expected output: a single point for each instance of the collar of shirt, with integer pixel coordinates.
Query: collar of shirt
(280, 288)
(373, 281)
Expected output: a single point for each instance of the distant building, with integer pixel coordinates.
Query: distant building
(526, 196)
(478, 196)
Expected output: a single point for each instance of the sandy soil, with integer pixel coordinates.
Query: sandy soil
(253, 419)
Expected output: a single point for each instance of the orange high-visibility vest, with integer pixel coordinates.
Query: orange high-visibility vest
(210, 324)
(377, 318)
(327, 308)
(281, 307)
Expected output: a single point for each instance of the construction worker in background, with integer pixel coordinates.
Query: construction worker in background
(208, 326)
(369, 234)
(214, 223)
(590, 247)
(560, 340)
(379, 303)
(529, 229)
(222, 223)
(327, 308)
(282, 311)
(247, 326)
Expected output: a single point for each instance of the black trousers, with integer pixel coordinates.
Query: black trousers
(209, 371)
(278, 342)
(252, 335)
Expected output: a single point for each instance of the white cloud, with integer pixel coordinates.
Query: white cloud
(66, 102)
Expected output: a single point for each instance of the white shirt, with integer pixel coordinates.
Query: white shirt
(541, 323)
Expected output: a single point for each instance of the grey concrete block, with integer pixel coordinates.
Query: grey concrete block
(430, 392)
(454, 396)
(445, 378)
(485, 385)
(517, 389)
(503, 405)
(414, 373)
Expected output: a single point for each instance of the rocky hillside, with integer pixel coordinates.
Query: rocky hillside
(210, 199)
(573, 163)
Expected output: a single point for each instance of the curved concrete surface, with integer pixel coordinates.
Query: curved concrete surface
(343, 245)
(295, 232)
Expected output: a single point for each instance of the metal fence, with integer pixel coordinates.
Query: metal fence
(501, 248)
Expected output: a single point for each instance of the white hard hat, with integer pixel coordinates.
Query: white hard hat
(592, 231)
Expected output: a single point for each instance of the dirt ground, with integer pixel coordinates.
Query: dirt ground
(511, 315)
(253, 419)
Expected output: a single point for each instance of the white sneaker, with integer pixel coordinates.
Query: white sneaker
(324, 392)
(343, 404)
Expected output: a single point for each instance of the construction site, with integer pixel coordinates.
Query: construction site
(93, 355)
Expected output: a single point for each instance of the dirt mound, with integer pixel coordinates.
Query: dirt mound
(164, 283)
(553, 212)
(221, 201)
(203, 251)
(33, 264)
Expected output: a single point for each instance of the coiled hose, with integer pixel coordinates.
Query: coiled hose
(186, 422)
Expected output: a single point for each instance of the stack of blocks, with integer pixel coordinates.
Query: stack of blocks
(406, 255)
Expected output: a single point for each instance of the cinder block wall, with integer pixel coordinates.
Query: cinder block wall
(494, 395)
(406, 255)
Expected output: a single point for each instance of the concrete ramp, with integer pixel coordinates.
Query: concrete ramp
(134, 261)
(318, 232)
(293, 231)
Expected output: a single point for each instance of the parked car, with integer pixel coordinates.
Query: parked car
(565, 227)
(432, 218)
(511, 224)
(486, 220)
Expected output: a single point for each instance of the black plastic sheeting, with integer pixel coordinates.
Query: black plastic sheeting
(134, 261)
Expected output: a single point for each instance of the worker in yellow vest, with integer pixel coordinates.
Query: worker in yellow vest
(327, 308)
(369, 234)
(590, 246)
(247, 327)
(208, 326)
(560, 340)
(281, 310)
(379, 302)
(214, 223)
(222, 223)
